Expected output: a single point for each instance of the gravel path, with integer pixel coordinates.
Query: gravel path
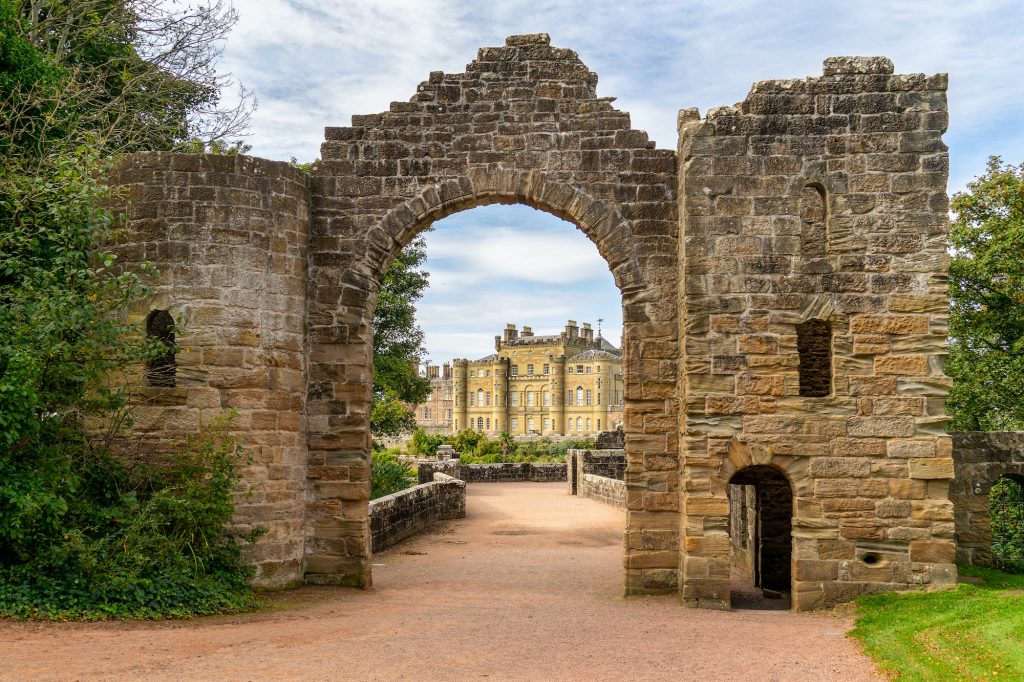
(526, 587)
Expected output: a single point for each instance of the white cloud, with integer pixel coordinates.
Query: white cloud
(316, 63)
(493, 253)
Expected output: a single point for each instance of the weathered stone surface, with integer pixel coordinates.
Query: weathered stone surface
(818, 200)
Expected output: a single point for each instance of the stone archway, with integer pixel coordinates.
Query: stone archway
(523, 124)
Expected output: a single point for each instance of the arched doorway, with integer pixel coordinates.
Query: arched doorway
(1006, 516)
(761, 538)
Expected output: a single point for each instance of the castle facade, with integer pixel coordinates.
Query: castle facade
(560, 384)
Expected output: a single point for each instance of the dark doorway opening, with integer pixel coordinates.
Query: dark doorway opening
(760, 529)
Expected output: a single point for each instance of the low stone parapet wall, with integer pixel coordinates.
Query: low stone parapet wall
(610, 491)
(541, 472)
(427, 468)
(400, 515)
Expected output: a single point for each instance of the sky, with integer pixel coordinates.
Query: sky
(314, 63)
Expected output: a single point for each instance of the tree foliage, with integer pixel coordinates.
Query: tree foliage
(1006, 509)
(398, 344)
(83, 533)
(986, 321)
(135, 74)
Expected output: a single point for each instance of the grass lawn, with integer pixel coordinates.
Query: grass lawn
(975, 632)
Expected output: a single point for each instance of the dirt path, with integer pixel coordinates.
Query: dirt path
(527, 587)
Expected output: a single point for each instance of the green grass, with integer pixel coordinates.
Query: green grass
(975, 632)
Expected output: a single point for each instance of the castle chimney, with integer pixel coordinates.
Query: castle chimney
(588, 333)
(510, 332)
(527, 331)
(571, 330)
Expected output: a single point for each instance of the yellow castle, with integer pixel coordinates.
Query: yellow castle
(568, 383)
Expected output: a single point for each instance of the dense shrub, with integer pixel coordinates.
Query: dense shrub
(476, 448)
(1006, 507)
(388, 474)
(144, 539)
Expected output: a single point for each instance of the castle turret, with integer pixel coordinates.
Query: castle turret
(460, 400)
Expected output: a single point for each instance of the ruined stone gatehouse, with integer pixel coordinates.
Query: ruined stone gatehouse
(783, 281)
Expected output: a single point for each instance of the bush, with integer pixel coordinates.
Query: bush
(388, 475)
(145, 540)
(1006, 508)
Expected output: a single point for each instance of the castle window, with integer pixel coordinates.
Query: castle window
(599, 397)
(487, 398)
(814, 344)
(588, 370)
(570, 369)
(588, 423)
(514, 395)
(514, 371)
(579, 395)
(426, 413)
(447, 415)
(568, 397)
(488, 422)
(589, 396)
(487, 373)
(579, 423)
(598, 424)
(547, 398)
(472, 399)
(480, 397)
(547, 424)
(529, 369)
(161, 370)
(547, 368)
(813, 222)
(529, 424)
(579, 369)
(515, 423)
(479, 423)
(599, 369)
(530, 400)
(568, 425)
(472, 373)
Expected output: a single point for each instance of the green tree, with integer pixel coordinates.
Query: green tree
(140, 74)
(83, 533)
(398, 344)
(986, 320)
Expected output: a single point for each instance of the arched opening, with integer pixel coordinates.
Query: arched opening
(1006, 514)
(343, 294)
(761, 538)
(161, 370)
(530, 392)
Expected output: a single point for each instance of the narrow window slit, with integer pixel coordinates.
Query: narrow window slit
(161, 370)
(814, 344)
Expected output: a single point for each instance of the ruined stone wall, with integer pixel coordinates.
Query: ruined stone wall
(980, 459)
(783, 291)
(228, 236)
(819, 199)
(401, 515)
